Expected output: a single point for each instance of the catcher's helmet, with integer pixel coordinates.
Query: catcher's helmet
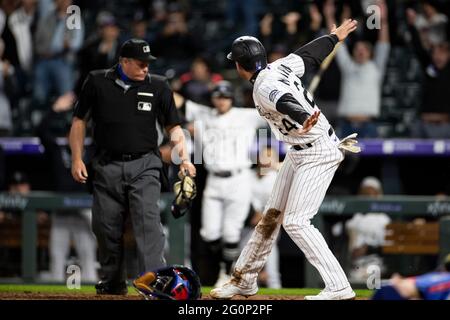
(171, 283)
(249, 53)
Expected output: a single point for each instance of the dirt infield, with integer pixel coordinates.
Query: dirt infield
(81, 296)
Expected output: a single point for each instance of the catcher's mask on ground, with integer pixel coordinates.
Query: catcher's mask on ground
(171, 283)
(185, 191)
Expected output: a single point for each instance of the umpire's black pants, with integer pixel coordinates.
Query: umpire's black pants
(122, 188)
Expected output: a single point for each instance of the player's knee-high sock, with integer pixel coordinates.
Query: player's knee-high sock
(214, 250)
(230, 253)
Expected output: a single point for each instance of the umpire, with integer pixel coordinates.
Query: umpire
(127, 106)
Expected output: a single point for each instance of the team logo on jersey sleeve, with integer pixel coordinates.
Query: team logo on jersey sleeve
(267, 114)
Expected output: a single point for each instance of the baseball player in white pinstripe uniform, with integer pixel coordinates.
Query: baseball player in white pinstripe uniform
(307, 170)
(226, 134)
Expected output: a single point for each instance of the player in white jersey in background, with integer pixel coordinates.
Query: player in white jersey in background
(226, 135)
(308, 167)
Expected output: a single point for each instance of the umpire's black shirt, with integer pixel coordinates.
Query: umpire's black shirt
(125, 113)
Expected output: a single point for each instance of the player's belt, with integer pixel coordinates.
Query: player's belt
(225, 174)
(127, 156)
(309, 145)
(299, 147)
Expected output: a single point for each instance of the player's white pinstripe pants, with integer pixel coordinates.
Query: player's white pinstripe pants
(226, 204)
(298, 192)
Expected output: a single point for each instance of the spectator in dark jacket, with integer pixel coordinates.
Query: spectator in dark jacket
(196, 85)
(176, 45)
(17, 32)
(101, 52)
(434, 121)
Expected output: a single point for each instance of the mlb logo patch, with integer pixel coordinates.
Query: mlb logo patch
(146, 49)
(144, 106)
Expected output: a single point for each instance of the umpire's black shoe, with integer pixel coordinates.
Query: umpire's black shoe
(111, 288)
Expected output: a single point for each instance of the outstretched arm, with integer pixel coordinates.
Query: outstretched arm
(383, 35)
(382, 48)
(421, 52)
(317, 50)
(309, 123)
(343, 58)
(191, 111)
(288, 105)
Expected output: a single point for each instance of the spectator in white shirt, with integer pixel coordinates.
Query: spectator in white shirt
(362, 76)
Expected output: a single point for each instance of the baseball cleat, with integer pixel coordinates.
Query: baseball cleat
(343, 294)
(228, 290)
(222, 280)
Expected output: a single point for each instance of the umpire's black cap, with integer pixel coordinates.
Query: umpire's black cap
(136, 49)
(249, 53)
(223, 89)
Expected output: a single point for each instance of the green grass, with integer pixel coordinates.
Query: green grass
(298, 292)
(89, 289)
(41, 288)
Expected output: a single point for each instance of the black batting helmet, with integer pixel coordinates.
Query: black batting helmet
(223, 89)
(249, 53)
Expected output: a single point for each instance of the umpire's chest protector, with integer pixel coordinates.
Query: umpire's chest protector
(125, 114)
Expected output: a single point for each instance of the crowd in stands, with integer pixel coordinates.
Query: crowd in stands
(385, 81)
